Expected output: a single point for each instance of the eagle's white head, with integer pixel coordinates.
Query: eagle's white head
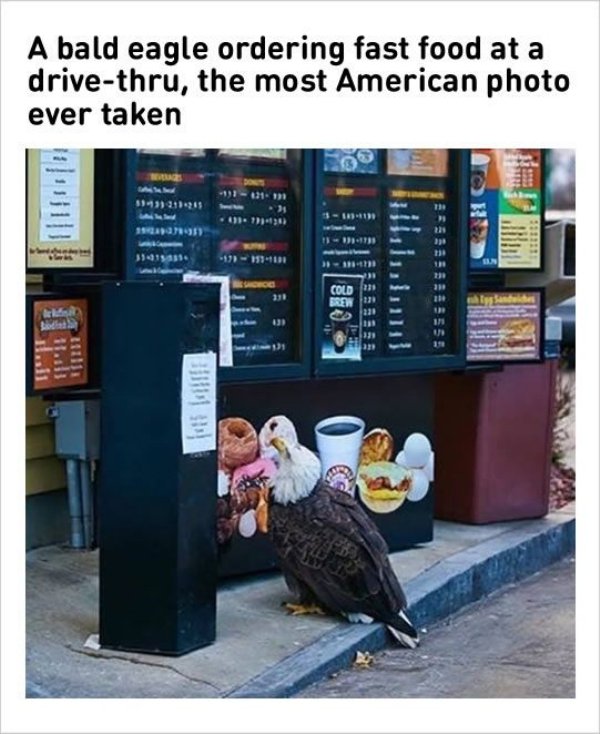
(298, 473)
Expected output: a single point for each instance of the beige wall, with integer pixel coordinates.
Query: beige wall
(43, 471)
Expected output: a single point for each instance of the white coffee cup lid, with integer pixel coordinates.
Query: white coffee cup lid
(358, 422)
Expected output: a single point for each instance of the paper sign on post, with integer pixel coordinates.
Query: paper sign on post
(198, 402)
(226, 340)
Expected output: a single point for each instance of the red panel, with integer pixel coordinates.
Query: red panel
(493, 443)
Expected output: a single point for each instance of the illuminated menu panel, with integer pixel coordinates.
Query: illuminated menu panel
(60, 343)
(254, 216)
(506, 209)
(394, 226)
(261, 314)
(234, 215)
(60, 208)
(417, 309)
(172, 222)
(352, 245)
(505, 325)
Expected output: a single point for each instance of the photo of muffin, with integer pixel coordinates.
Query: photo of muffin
(377, 445)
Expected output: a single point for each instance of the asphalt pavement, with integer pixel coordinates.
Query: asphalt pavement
(516, 643)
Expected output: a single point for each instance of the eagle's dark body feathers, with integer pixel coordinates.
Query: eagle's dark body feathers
(331, 551)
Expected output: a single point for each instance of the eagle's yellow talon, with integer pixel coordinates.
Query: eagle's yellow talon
(298, 609)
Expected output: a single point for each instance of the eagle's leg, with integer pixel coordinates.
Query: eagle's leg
(298, 609)
(306, 603)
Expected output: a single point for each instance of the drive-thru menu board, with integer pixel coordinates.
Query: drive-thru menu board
(352, 241)
(60, 343)
(506, 209)
(172, 227)
(60, 208)
(232, 212)
(391, 218)
(505, 326)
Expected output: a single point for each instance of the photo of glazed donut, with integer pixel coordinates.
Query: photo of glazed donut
(238, 443)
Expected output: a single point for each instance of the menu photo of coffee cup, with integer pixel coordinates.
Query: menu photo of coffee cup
(339, 440)
(339, 329)
(478, 234)
(480, 163)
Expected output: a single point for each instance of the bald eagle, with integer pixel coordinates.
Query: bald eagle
(330, 551)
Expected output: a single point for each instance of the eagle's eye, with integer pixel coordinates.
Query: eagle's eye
(273, 425)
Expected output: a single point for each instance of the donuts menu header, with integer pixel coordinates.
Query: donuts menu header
(232, 213)
(392, 225)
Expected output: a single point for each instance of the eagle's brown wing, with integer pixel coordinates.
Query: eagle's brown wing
(331, 546)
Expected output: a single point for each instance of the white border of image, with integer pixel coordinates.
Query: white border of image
(569, 31)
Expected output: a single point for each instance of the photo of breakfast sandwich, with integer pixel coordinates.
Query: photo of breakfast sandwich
(383, 486)
(517, 335)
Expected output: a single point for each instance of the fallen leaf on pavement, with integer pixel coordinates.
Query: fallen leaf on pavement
(363, 660)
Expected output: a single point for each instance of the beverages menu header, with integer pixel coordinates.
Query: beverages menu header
(386, 217)
(231, 212)
(506, 209)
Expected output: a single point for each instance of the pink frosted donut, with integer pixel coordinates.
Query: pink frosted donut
(256, 475)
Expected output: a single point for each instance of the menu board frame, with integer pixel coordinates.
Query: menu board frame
(34, 299)
(301, 367)
(458, 179)
(495, 363)
(106, 202)
(542, 234)
(60, 186)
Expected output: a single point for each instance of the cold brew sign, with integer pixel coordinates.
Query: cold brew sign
(342, 317)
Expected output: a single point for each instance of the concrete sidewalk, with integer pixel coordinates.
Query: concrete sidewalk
(260, 650)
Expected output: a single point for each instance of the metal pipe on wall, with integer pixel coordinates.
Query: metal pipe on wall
(75, 508)
(87, 505)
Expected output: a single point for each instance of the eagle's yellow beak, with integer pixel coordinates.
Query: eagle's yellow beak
(279, 444)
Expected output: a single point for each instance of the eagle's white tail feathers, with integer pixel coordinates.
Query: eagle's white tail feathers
(409, 637)
(404, 640)
(358, 618)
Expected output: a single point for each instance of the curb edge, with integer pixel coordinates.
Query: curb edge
(435, 594)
